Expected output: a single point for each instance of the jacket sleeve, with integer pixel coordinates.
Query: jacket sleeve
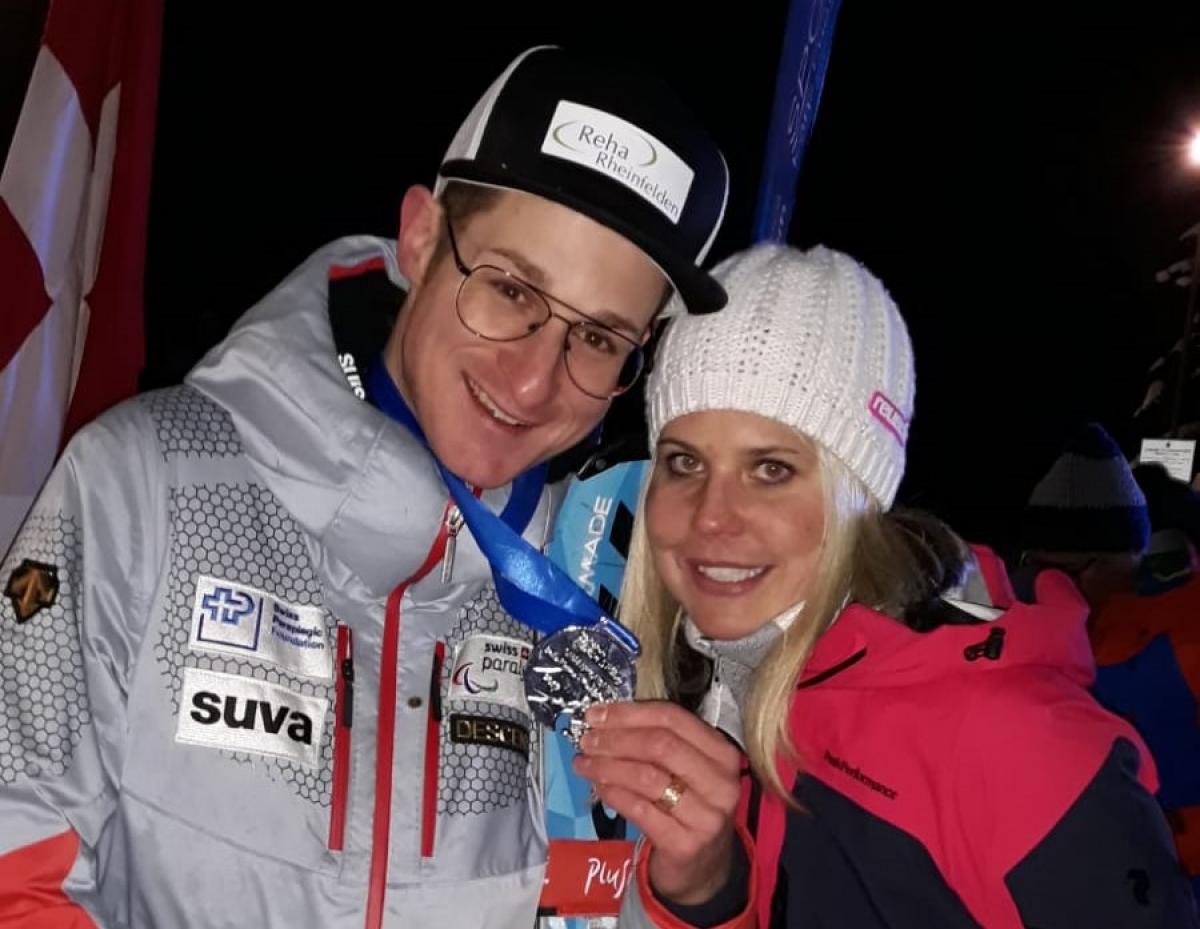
(77, 583)
(1108, 862)
(641, 909)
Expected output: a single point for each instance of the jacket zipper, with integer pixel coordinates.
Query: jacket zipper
(433, 745)
(386, 736)
(344, 712)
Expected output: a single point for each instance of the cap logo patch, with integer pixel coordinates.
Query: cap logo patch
(621, 151)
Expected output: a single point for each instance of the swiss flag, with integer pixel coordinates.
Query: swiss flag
(74, 196)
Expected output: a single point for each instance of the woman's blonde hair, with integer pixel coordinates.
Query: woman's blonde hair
(889, 561)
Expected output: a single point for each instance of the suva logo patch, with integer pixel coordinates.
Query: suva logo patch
(248, 715)
(210, 708)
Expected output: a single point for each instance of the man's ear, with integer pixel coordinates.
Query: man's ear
(420, 232)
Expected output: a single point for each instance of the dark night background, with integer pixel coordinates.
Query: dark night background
(1013, 172)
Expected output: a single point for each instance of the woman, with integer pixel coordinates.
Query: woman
(910, 763)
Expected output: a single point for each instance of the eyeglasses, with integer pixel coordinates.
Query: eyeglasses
(497, 305)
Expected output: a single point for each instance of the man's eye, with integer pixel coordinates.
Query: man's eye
(595, 339)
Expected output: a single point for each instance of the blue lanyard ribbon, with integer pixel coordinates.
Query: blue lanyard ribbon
(533, 589)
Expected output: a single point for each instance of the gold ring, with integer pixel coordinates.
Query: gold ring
(671, 795)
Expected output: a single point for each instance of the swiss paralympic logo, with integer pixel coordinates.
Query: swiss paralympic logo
(462, 678)
(228, 616)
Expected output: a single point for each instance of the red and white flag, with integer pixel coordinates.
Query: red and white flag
(74, 196)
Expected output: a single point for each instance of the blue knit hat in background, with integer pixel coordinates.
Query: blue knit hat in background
(1088, 501)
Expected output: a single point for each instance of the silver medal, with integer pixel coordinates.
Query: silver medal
(575, 667)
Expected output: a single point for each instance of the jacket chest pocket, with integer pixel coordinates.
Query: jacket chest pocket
(481, 803)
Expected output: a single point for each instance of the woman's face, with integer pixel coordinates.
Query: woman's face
(735, 516)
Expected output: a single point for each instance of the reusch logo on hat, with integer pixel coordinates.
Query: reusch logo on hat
(889, 415)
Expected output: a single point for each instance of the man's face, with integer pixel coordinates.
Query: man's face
(491, 410)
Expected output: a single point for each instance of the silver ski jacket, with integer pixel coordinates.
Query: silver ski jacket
(235, 689)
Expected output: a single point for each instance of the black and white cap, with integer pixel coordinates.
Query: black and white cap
(610, 141)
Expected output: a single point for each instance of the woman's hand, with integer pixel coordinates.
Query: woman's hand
(676, 779)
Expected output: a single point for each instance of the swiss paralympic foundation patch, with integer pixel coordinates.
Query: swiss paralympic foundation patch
(229, 618)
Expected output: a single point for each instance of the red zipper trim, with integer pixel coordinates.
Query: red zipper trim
(385, 739)
(343, 720)
(340, 272)
(433, 745)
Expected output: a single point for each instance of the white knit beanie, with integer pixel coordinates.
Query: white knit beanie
(810, 339)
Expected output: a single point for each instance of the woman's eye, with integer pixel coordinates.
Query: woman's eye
(682, 463)
(773, 472)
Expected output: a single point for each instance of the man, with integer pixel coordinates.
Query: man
(1089, 517)
(1086, 517)
(252, 669)
(1147, 645)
